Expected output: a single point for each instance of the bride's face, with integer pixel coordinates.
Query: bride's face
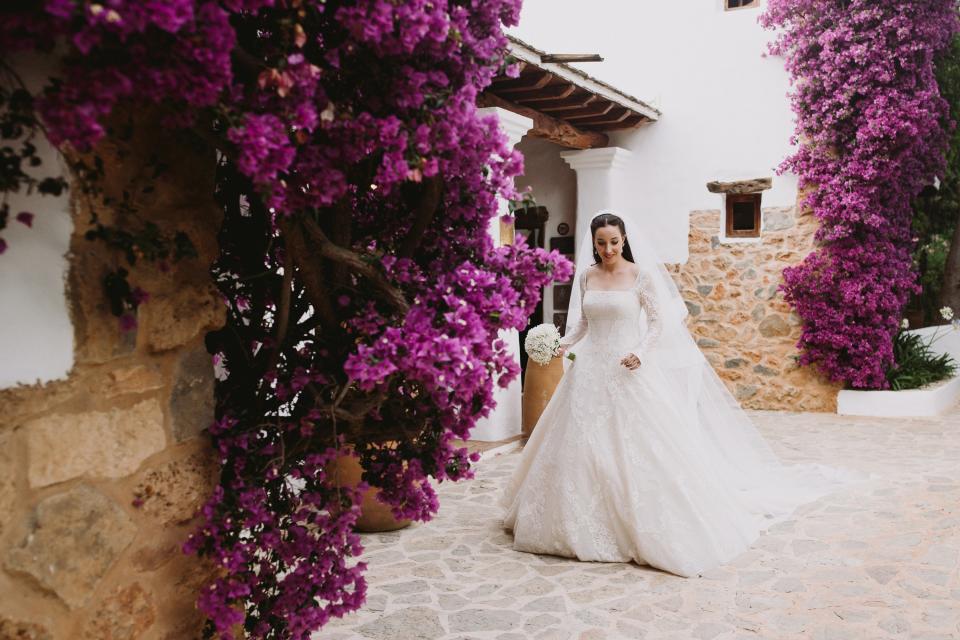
(609, 243)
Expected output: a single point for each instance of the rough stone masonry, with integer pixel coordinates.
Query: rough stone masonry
(101, 473)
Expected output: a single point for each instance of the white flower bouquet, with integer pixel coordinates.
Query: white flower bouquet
(542, 343)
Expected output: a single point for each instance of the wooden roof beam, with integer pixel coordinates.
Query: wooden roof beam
(523, 84)
(614, 117)
(550, 92)
(632, 122)
(522, 51)
(548, 127)
(571, 57)
(574, 102)
(601, 107)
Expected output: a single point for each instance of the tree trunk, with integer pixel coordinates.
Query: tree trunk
(950, 289)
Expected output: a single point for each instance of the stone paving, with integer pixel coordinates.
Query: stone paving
(879, 560)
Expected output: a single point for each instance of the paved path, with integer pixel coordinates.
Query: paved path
(877, 561)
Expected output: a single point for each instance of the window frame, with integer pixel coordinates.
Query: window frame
(726, 5)
(730, 200)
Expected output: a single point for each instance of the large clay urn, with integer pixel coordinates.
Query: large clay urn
(346, 471)
(539, 382)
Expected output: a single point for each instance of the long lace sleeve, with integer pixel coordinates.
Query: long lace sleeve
(576, 333)
(646, 293)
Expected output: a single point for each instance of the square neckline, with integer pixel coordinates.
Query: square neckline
(632, 286)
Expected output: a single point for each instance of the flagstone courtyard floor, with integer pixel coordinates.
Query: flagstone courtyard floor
(879, 560)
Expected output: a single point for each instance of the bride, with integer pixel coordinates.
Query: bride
(642, 454)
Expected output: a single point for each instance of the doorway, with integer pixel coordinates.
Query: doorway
(531, 223)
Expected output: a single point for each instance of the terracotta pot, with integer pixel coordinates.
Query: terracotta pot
(539, 382)
(346, 471)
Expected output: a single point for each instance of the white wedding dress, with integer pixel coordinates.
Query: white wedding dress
(614, 471)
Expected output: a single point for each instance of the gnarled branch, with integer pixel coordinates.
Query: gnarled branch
(311, 273)
(356, 263)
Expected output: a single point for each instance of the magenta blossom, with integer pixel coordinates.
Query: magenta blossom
(873, 131)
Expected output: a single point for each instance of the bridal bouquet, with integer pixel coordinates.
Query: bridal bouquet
(542, 343)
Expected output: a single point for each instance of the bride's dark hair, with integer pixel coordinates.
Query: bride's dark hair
(609, 220)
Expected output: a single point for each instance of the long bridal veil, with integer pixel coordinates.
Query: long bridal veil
(715, 420)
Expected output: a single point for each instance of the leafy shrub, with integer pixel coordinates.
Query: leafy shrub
(916, 364)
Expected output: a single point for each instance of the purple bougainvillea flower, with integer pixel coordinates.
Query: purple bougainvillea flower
(874, 129)
(338, 113)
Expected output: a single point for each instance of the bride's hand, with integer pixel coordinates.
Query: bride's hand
(630, 361)
(561, 351)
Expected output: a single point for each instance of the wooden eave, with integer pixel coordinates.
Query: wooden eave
(562, 96)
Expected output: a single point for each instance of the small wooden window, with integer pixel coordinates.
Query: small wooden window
(740, 4)
(743, 215)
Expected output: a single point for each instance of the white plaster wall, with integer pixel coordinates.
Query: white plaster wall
(36, 334)
(725, 110)
(553, 185)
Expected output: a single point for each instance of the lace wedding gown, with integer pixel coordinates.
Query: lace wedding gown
(614, 471)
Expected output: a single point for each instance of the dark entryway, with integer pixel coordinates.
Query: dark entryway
(531, 224)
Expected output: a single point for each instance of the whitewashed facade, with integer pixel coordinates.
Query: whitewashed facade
(725, 113)
(36, 333)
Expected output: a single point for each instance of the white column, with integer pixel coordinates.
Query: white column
(598, 173)
(505, 419)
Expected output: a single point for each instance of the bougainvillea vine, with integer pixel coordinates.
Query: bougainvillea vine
(357, 181)
(872, 132)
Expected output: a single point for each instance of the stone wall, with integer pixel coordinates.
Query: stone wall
(739, 318)
(101, 474)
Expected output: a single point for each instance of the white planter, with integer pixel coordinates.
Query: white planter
(930, 401)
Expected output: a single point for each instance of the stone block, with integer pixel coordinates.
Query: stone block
(124, 615)
(721, 332)
(174, 320)
(734, 363)
(74, 539)
(707, 343)
(778, 219)
(192, 401)
(138, 378)
(729, 374)
(16, 630)
(693, 308)
(421, 623)
(172, 493)
(479, 620)
(97, 444)
(745, 391)
(774, 326)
